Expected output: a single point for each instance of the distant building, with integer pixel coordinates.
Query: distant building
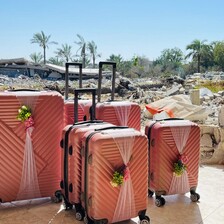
(20, 66)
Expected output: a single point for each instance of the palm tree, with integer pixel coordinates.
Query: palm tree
(36, 57)
(43, 41)
(197, 50)
(55, 61)
(82, 49)
(93, 51)
(64, 52)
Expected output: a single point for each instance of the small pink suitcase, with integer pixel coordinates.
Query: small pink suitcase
(123, 113)
(30, 157)
(69, 104)
(108, 155)
(174, 152)
(71, 157)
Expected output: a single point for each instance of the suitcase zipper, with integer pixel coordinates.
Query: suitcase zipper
(86, 153)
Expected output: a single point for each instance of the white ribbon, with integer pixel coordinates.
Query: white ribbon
(126, 203)
(29, 187)
(122, 110)
(180, 134)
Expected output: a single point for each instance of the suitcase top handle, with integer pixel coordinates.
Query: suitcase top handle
(111, 128)
(20, 90)
(101, 63)
(93, 107)
(67, 73)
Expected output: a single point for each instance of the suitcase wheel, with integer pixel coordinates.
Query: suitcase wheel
(79, 215)
(195, 197)
(150, 193)
(160, 201)
(58, 196)
(67, 205)
(87, 220)
(145, 220)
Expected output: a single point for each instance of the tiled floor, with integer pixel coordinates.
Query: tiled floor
(178, 208)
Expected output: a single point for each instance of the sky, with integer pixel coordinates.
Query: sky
(126, 27)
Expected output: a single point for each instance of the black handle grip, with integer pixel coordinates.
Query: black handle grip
(171, 119)
(89, 122)
(112, 127)
(66, 75)
(20, 90)
(101, 63)
(93, 108)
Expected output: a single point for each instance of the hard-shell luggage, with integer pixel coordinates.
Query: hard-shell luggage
(114, 175)
(71, 155)
(69, 103)
(174, 152)
(30, 162)
(123, 113)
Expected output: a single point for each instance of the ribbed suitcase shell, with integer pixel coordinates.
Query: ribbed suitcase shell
(73, 162)
(100, 161)
(163, 153)
(82, 111)
(106, 111)
(48, 118)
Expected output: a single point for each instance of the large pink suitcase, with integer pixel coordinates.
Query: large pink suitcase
(107, 153)
(174, 152)
(71, 157)
(30, 158)
(69, 104)
(123, 113)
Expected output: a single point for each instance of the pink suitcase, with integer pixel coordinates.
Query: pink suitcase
(123, 113)
(71, 157)
(106, 154)
(69, 104)
(174, 148)
(30, 159)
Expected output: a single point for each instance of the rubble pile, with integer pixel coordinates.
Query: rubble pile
(201, 106)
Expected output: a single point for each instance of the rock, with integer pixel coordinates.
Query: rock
(173, 91)
(221, 116)
(206, 141)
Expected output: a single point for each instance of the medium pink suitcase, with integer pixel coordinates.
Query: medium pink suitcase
(174, 152)
(30, 158)
(107, 153)
(120, 113)
(71, 157)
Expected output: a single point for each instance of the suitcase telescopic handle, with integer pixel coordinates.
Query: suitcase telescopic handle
(93, 107)
(67, 73)
(112, 127)
(113, 64)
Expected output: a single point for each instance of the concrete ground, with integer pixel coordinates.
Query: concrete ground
(178, 208)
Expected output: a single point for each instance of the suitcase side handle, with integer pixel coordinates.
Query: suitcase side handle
(93, 107)
(112, 127)
(67, 73)
(101, 63)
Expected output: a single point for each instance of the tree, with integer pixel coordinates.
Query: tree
(64, 52)
(82, 49)
(219, 54)
(170, 61)
(197, 50)
(43, 41)
(93, 51)
(55, 61)
(117, 59)
(36, 57)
